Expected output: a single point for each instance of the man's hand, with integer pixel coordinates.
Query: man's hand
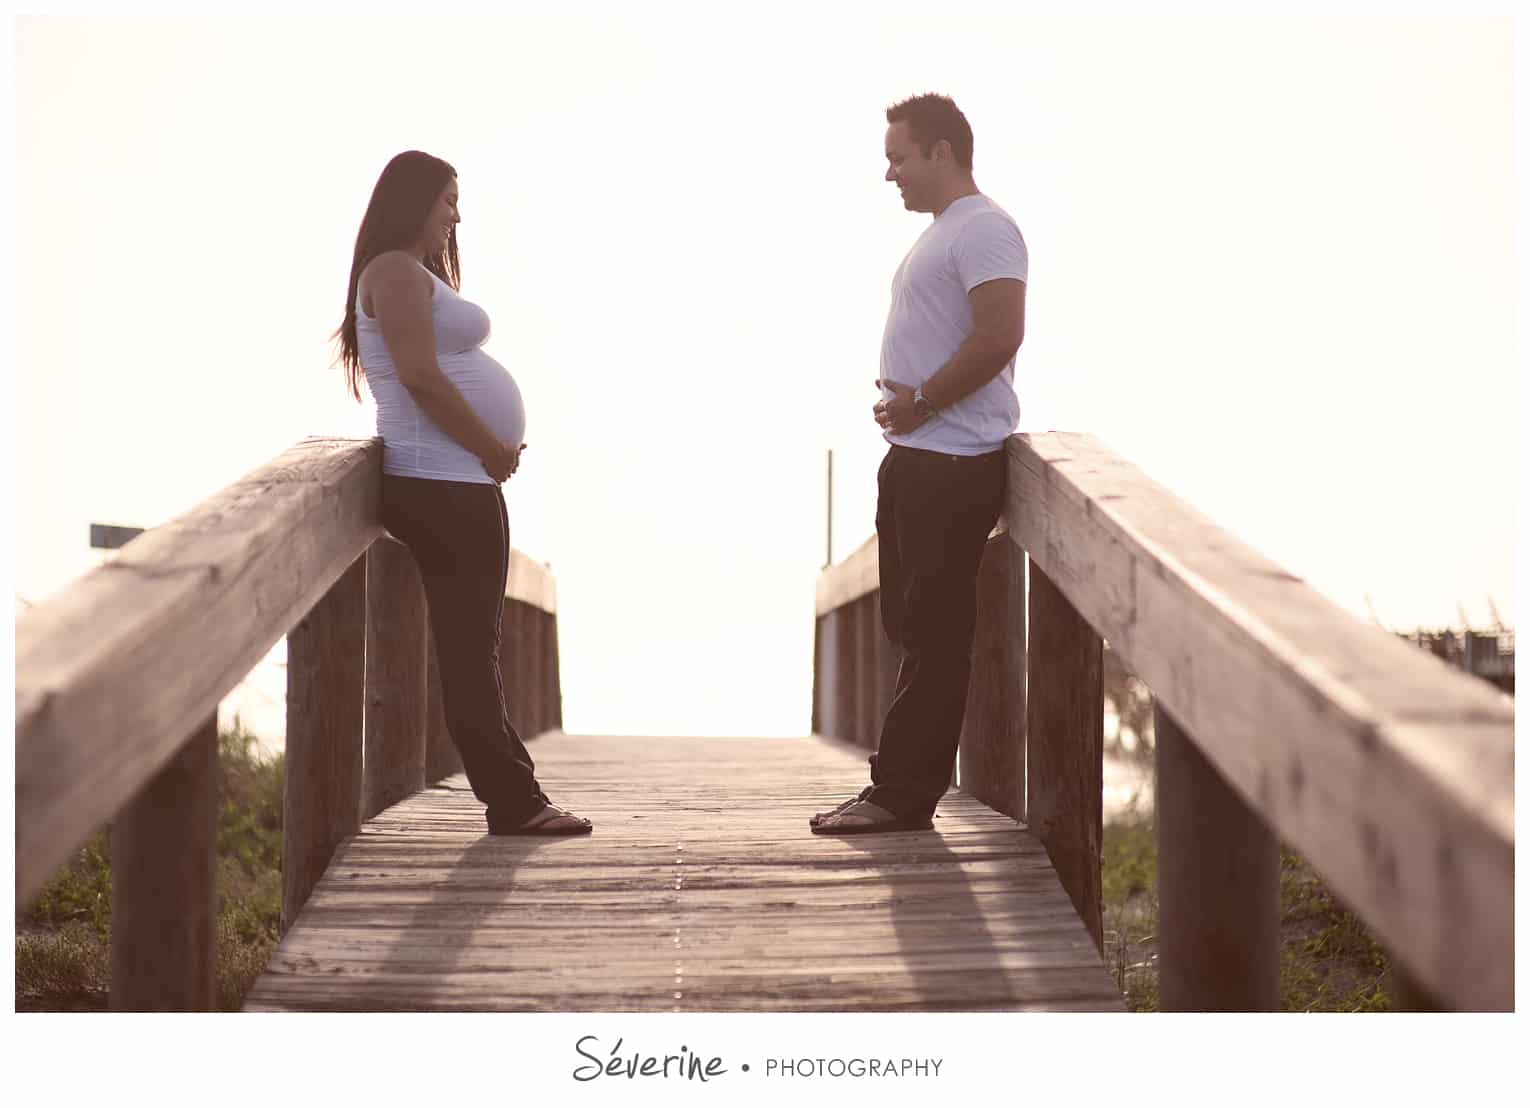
(505, 462)
(897, 415)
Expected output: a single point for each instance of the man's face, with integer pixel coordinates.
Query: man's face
(911, 171)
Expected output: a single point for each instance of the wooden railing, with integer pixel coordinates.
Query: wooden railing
(118, 681)
(1279, 718)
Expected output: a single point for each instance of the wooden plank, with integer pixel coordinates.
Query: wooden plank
(396, 692)
(321, 803)
(1065, 736)
(849, 579)
(701, 869)
(992, 749)
(1218, 887)
(114, 673)
(164, 886)
(1392, 773)
(530, 582)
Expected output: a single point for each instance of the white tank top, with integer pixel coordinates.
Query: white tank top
(413, 445)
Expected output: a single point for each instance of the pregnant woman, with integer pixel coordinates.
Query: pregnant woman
(451, 422)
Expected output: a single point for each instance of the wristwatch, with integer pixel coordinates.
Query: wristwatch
(922, 404)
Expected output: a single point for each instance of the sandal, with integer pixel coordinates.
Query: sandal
(814, 821)
(865, 818)
(551, 820)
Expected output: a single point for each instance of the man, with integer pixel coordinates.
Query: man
(948, 403)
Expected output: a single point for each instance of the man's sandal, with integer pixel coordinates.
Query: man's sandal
(865, 818)
(551, 820)
(814, 821)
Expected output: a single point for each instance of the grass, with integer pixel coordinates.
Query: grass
(1328, 961)
(63, 942)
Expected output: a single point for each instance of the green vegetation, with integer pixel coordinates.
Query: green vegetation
(63, 943)
(1328, 961)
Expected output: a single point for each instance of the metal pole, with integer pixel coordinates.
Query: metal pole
(828, 557)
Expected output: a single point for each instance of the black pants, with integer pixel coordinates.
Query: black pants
(934, 515)
(459, 534)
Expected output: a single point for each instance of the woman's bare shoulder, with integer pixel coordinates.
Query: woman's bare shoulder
(394, 271)
(395, 265)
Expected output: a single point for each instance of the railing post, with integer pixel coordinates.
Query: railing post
(844, 673)
(394, 762)
(1218, 886)
(992, 750)
(1065, 734)
(886, 657)
(554, 675)
(164, 886)
(512, 665)
(324, 718)
(441, 757)
(868, 672)
(818, 676)
(535, 639)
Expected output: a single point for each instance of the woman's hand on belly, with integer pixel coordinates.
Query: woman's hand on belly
(505, 462)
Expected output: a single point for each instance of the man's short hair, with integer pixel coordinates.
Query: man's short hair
(932, 117)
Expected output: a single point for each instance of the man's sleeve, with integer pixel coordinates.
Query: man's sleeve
(987, 248)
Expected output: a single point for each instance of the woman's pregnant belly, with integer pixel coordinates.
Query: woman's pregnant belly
(489, 390)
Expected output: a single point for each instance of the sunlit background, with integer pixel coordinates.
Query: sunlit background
(1271, 265)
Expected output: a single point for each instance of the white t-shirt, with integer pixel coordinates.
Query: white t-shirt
(972, 241)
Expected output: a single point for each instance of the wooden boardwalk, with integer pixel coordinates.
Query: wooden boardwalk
(701, 889)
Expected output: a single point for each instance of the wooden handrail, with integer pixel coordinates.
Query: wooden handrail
(1390, 771)
(118, 680)
(114, 673)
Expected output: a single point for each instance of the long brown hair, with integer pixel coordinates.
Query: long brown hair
(409, 186)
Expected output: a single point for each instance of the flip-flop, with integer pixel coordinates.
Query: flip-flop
(551, 820)
(814, 821)
(878, 821)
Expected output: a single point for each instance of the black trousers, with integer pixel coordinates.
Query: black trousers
(934, 515)
(459, 534)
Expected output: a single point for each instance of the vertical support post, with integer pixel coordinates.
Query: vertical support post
(844, 673)
(441, 757)
(868, 672)
(512, 668)
(1408, 995)
(164, 886)
(322, 805)
(1218, 886)
(887, 658)
(816, 723)
(555, 680)
(394, 762)
(1065, 736)
(826, 676)
(992, 750)
(538, 659)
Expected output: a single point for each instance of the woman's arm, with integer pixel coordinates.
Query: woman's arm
(400, 293)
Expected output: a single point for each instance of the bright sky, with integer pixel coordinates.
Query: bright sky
(1272, 264)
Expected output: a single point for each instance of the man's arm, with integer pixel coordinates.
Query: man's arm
(998, 329)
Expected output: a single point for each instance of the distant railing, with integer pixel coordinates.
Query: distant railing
(1278, 716)
(119, 677)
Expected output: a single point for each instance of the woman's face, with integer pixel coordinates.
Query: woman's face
(442, 218)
